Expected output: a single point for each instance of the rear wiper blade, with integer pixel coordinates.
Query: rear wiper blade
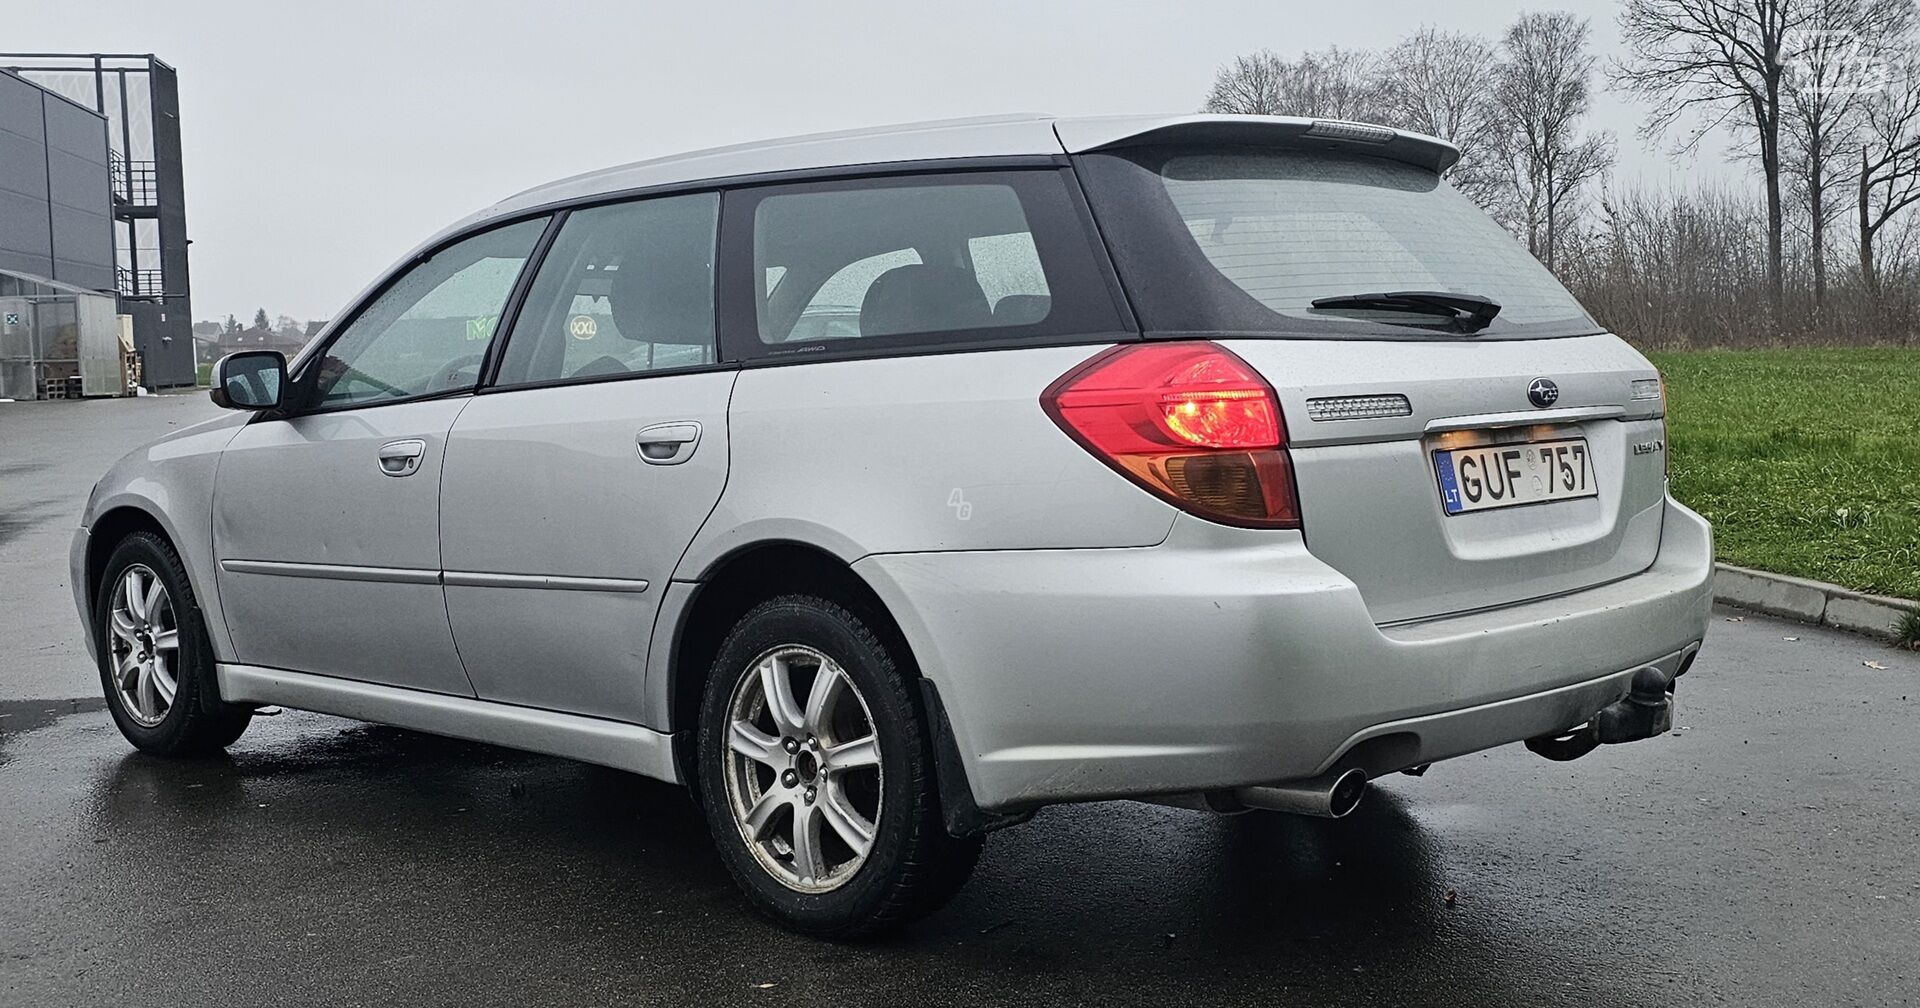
(1470, 312)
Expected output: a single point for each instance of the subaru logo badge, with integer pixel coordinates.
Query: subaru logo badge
(1543, 392)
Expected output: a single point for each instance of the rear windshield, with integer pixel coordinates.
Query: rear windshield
(1243, 240)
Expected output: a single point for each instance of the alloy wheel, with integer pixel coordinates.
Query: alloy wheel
(803, 768)
(144, 645)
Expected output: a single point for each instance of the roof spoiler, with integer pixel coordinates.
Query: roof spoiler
(1078, 136)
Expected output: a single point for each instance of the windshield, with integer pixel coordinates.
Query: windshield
(1246, 239)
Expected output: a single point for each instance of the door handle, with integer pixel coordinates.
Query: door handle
(402, 458)
(668, 443)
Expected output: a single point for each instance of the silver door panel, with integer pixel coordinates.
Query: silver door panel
(376, 631)
(330, 565)
(581, 651)
(551, 499)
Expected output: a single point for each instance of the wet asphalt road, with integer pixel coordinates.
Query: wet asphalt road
(1764, 854)
(50, 454)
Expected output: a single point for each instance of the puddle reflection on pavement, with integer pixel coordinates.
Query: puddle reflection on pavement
(369, 860)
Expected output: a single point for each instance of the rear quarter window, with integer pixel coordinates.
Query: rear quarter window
(900, 263)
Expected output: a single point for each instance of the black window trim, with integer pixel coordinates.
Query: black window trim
(300, 372)
(510, 315)
(556, 212)
(496, 351)
(736, 300)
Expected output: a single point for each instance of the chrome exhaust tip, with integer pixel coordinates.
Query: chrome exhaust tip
(1330, 795)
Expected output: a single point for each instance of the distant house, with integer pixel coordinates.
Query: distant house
(212, 348)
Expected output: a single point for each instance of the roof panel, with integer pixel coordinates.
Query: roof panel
(988, 136)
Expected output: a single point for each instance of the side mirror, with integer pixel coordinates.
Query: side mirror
(249, 380)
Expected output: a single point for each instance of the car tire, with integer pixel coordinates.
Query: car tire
(811, 765)
(156, 666)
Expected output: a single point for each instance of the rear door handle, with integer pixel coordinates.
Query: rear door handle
(668, 443)
(402, 458)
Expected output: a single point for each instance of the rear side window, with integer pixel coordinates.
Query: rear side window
(873, 264)
(1246, 239)
(626, 289)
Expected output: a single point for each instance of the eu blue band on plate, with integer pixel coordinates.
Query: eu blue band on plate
(1449, 485)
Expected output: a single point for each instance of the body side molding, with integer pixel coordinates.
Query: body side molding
(414, 575)
(482, 579)
(336, 572)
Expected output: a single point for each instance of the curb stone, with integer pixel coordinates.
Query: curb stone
(1809, 601)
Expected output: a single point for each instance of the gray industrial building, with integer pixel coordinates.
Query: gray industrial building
(55, 211)
(115, 215)
(58, 325)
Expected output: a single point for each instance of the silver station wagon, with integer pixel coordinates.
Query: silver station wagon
(886, 486)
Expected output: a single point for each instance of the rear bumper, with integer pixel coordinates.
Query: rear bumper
(1222, 658)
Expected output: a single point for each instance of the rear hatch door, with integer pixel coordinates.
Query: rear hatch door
(1403, 330)
(1544, 500)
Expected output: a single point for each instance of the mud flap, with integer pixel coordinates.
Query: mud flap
(959, 812)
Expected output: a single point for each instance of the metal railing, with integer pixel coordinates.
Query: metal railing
(134, 182)
(146, 283)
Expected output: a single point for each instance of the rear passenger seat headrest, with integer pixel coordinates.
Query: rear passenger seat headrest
(1022, 309)
(923, 298)
(663, 293)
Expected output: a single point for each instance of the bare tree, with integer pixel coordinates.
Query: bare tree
(1333, 83)
(1442, 83)
(1686, 267)
(1543, 89)
(1725, 58)
(1250, 85)
(1889, 171)
(1833, 68)
(1672, 268)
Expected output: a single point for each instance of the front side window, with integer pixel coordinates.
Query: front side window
(625, 289)
(1248, 239)
(428, 331)
(887, 262)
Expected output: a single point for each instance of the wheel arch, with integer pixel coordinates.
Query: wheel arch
(743, 578)
(107, 532)
(737, 581)
(115, 522)
(123, 514)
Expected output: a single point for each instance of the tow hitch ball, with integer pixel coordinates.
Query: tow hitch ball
(1646, 711)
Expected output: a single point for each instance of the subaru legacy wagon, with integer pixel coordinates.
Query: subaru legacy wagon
(886, 486)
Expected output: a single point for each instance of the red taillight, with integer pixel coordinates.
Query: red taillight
(1189, 421)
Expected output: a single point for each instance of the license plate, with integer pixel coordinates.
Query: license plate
(1497, 476)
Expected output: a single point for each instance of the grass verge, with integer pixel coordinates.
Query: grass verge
(1806, 461)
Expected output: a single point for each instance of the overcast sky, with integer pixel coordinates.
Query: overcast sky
(324, 139)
